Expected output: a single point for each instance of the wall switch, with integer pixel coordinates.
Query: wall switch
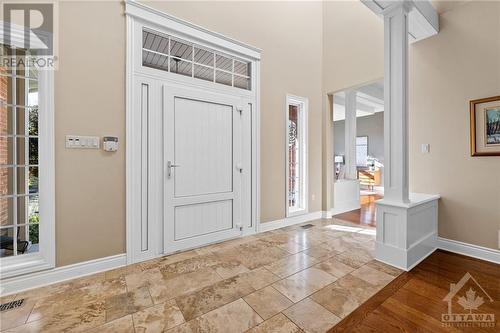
(426, 148)
(82, 142)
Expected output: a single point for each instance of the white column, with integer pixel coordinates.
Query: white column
(396, 102)
(406, 231)
(350, 134)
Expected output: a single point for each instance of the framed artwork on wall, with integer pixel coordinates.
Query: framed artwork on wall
(485, 126)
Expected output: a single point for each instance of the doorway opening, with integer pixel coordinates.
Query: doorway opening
(358, 135)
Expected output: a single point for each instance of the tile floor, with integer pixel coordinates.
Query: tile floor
(287, 280)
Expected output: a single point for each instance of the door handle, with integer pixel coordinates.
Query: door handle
(169, 168)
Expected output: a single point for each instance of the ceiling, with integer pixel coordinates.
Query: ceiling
(370, 100)
(443, 6)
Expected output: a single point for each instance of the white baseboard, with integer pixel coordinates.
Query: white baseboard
(345, 206)
(59, 274)
(326, 214)
(288, 221)
(35, 280)
(469, 250)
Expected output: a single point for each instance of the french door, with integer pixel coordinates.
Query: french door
(203, 162)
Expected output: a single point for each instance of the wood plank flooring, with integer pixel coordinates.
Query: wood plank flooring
(366, 215)
(413, 302)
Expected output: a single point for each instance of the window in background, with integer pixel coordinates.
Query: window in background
(296, 154)
(361, 150)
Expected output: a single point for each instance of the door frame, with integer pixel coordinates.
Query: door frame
(137, 179)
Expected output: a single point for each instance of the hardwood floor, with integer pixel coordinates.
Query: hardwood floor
(413, 302)
(366, 215)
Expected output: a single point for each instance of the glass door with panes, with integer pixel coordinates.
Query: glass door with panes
(19, 169)
(24, 114)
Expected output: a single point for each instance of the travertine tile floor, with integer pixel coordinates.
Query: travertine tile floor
(288, 280)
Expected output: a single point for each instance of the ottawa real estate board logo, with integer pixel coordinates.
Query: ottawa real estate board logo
(464, 302)
(28, 34)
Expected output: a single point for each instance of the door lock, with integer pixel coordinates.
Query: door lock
(169, 168)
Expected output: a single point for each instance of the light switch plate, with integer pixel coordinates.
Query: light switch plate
(82, 142)
(426, 148)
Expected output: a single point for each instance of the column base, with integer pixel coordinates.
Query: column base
(406, 232)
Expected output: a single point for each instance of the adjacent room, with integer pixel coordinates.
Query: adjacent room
(249, 166)
(358, 143)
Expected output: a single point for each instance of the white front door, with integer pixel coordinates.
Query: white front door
(203, 167)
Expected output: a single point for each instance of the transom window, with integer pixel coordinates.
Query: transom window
(175, 55)
(19, 167)
(296, 118)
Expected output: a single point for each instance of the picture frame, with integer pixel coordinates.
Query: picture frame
(485, 126)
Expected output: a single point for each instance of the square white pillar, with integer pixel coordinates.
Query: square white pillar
(406, 222)
(350, 135)
(396, 102)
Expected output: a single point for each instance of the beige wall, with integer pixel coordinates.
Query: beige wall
(90, 100)
(290, 36)
(353, 54)
(461, 63)
(353, 45)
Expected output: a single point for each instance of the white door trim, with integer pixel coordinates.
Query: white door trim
(138, 16)
(303, 103)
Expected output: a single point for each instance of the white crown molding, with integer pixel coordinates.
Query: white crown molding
(423, 18)
(35, 280)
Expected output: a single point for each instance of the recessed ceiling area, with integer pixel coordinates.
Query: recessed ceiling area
(369, 100)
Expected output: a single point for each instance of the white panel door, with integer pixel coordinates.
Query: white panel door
(202, 158)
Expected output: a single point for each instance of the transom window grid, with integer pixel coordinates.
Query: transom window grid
(174, 55)
(19, 169)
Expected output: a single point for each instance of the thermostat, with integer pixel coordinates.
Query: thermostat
(110, 143)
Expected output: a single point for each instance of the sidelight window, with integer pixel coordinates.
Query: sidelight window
(25, 126)
(296, 151)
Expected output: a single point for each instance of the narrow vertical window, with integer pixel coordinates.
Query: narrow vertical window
(26, 161)
(296, 151)
(19, 208)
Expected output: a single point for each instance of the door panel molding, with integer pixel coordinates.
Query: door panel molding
(216, 121)
(144, 213)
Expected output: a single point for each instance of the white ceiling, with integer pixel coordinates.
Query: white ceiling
(370, 100)
(443, 6)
